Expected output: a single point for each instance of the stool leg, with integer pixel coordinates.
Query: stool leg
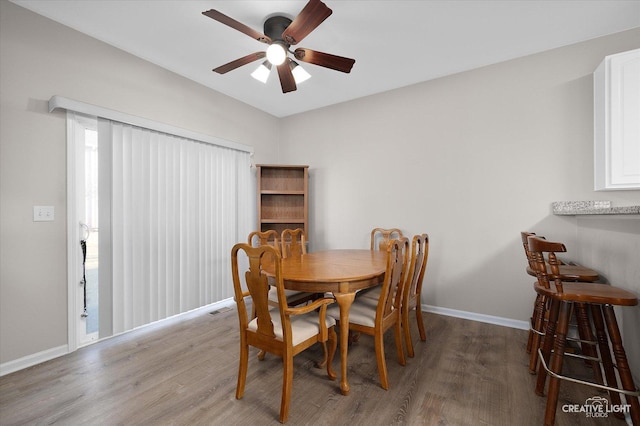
(538, 325)
(533, 322)
(547, 344)
(621, 361)
(586, 333)
(557, 359)
(605, 352)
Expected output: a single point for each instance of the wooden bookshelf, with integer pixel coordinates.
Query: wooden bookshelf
(283, 197)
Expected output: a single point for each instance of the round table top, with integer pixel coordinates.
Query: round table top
(334, 270)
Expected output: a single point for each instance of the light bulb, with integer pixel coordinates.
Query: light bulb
(299, 73)
(262, 72)
(276, 54)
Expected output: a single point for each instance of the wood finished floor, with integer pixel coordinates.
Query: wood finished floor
(467, 373)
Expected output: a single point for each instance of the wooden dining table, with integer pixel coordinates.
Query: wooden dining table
(341, 272)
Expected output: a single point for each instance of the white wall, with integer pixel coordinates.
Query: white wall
(472, 159)
(38, 59)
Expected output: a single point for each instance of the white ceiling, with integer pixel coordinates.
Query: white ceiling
(395, 43)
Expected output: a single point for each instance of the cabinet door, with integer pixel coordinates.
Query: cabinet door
(617, 122)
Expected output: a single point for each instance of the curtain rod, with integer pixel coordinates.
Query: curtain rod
(60, 102)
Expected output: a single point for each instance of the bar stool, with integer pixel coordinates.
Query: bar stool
(566, 272)
(600, 299)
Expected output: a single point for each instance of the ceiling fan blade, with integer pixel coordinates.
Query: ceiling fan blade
(312, 15)
(222, 69)
(287, 81)
(224, 19)
(327, 60)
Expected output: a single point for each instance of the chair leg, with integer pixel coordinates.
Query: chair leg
(530, 337)
(333, 344)
(557, 359)
(534, 316)
(423, 334)
(538, 326)
(547, 345)
(382, 365)
(398, 338)
(407, 331)
(626, 378)
(287, 384)
(325, 356)
(242, 369)
(605, 352)
(585, 332)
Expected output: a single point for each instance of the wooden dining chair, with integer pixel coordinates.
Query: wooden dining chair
(412, 289)
(565, 272)
(375, 317)
(600, 299)
(270, 237)
(285, 331)
(294, 242)
(264, 238)
(380, 237)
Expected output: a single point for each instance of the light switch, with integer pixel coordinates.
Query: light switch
(43, 213)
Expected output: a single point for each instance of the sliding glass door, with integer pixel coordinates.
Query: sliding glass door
(84, 230)
(152, 219)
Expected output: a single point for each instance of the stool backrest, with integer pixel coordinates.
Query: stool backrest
(538, 247)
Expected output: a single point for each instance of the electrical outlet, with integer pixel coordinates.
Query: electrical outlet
(43, 213)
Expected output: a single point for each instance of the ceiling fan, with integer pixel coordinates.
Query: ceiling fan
(280, 33)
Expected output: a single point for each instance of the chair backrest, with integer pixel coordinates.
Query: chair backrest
(265, 238)
(260, 258)
(293, 242)
(380, 237)
(391, 292)
(417, 266)
(538, 246)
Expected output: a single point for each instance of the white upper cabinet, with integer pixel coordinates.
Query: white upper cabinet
(616, 94)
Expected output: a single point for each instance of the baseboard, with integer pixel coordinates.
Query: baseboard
(33, 359)
(505, 322)
(49, 354)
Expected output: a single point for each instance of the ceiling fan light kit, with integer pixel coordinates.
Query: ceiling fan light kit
(299, 73)
(262, 72)
(280, 33)
(276, 53)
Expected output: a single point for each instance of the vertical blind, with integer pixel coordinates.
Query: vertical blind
(177, 208)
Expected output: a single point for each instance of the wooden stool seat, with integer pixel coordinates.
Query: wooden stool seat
(572, 273)
(589, 293)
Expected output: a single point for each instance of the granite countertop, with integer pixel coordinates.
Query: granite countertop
(572, 208)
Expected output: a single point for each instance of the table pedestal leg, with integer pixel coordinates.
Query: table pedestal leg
(344, 302)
